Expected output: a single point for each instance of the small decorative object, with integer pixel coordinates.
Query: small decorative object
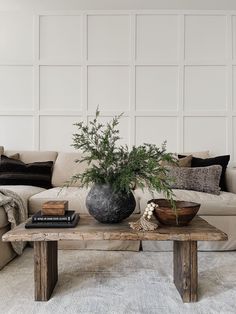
(115, 170)
(54, 208)
(144, 223)
(184, 212)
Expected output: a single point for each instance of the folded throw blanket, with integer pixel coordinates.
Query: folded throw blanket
(16, 213)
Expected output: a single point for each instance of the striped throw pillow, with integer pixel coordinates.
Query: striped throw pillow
(16, 172)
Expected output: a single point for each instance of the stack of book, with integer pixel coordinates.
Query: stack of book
(54, 214)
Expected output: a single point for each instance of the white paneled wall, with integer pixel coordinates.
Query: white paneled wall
(172, 73)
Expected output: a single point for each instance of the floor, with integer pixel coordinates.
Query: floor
(119, 283)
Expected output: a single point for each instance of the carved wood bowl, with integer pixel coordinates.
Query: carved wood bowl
(166, 215)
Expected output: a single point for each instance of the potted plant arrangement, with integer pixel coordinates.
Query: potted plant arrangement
(115, 170)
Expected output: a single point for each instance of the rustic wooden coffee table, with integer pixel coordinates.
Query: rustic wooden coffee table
(184, 238)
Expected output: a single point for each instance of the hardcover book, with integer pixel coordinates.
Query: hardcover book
(53, 224)
(68, 216)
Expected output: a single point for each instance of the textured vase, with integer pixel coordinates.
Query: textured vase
(108, 206)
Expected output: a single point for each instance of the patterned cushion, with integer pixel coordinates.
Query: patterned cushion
(203, 179)
(218, 160)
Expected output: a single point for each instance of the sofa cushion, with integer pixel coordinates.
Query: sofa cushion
(28, 156)
(75, 196)
(205, 162)
(202, 179)
(230, 176)
(211, 205)
(185, 162)
(7, 253)
(24, 191)
(201, 154)
(14, 156)
(16, 172)
(181, 162)
(219, 160)
(65, 166)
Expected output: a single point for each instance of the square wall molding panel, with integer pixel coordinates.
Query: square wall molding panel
(108, 87)
(205, 88)
(205, 37)
(109, 38)
(234, 88)
(16, 132)
(16, 88)
(60, 87)
(156, 130)
(56, 132)
(60, 38)
(234, 35)
(16, 38)
(157, 37)
(199, 133)
(157, 88)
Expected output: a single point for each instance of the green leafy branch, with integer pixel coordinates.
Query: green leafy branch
(116, 165)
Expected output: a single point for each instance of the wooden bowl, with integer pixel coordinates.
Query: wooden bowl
(166, 215)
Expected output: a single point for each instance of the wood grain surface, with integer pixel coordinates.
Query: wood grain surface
(89, 229)
(186, 269)
(45, 269)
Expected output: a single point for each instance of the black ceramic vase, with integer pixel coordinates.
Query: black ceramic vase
(108, 206)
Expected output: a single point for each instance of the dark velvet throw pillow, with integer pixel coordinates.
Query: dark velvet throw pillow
(219, 160)
(16, 172)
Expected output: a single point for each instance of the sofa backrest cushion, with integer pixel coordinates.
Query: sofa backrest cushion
(1, 150)
(28, 156)
(65, 167)
(230, 176)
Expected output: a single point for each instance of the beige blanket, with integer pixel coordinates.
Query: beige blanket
(16, 213)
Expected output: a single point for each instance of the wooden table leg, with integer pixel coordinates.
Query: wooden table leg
(185, 269)
(45, 269)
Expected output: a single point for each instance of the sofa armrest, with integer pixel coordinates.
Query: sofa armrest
(231, 180)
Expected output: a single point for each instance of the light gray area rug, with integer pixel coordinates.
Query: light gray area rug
(119, 283)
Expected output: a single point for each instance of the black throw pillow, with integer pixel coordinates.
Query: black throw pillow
(16, 172)
(219, 160)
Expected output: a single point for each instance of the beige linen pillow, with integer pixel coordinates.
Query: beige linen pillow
(202, 154)
(14, 156)
(185, 161)
(181, 162)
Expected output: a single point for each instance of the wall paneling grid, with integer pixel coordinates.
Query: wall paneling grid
(172, 73)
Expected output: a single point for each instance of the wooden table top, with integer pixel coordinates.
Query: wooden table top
(89, 229)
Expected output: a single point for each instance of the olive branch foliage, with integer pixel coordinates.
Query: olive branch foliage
(116, 165)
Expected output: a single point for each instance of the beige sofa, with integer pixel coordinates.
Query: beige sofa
(218, 210)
